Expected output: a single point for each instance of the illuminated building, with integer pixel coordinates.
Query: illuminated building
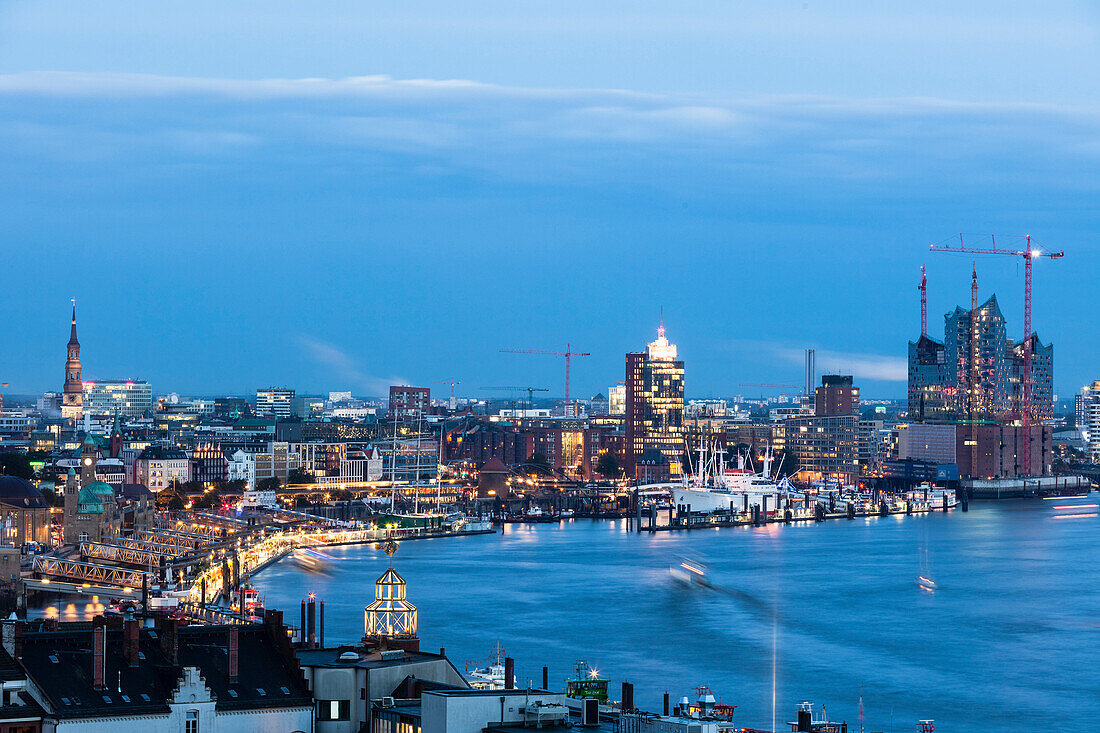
(826, 444)
(72, 397)
(616, 400)
(655, 404)
(977, 351)
(274, 402)
(836, 396)
(159, 467)
(127, 398)
(1090, 420)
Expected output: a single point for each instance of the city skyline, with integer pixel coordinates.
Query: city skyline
(309, 203)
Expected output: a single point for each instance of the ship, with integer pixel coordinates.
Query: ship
(491, 676)
(716, 487)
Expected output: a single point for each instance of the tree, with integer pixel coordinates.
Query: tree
(537, 461)
(268, 484)
(16, 464)
(169, 499)
(298, 476)
(608, 465)
(207, 500)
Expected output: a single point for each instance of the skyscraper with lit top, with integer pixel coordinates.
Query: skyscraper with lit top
(655, 403)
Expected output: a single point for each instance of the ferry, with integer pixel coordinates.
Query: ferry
(691, 573)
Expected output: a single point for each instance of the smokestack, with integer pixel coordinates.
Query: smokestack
(666, 705)
(509, 673)
(130, 630)
(805, 720)
(234, 655)
(99, 645)
(628, 696)
(311, 623)
(321, 626)
(442, 651)
(811, 370)
(169, 640)
(302, 632)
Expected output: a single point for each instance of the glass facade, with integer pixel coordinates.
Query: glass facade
(125, 398)
(655, 403)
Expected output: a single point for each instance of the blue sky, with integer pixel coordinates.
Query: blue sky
(339, 195)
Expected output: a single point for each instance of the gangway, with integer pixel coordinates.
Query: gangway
(147, 546)
(230, 522)
(117, 553)
(176, 539)
(105, 575)
(292, 514)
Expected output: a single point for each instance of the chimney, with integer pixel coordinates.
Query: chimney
(321, 628)
(169, 640)
(666, 705)
(99, 644)
(628, 696)
(545, 677)
(302, 626)
(509, 673)
(311, 624)
(130, 631)
(234, 655)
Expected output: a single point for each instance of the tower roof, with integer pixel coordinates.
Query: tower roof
(72, 332)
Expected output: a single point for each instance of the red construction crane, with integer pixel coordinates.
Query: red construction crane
(453, 383)
(568, 354)
(1029, 255)
(923, 302)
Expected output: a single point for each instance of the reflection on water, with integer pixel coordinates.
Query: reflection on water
(1004, 642)
(67, 610)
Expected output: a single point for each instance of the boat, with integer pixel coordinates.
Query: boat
(491, 676)
(933, 497)
(925, 582)
(716, 487)
(707, 708)
(586, 683)
(691, 573)
(536, 514)
(310, 559)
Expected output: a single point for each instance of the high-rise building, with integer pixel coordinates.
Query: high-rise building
(1090, 412)
(72, 397)
(976, 372)
(655, 404)
(836, 396)
(274, 401)
(124, 397)
(410, 402)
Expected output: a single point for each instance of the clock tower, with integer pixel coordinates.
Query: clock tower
(72, 398)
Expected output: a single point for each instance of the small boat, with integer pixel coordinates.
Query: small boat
(491, 676)
(567, 514)
(691, 573)
(926, 583)
(310, 559)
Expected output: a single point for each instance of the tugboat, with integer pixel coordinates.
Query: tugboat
(587, 683)
(806, 721)
(707, 708)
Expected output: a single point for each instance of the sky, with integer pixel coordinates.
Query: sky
(345, 195)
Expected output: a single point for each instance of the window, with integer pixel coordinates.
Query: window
(334, 710)
(191, 722)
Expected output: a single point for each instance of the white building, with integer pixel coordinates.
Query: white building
(242, 467)
(616, 400)
(159, 467)
(125, 397)
(1090, 411)
(274, 401)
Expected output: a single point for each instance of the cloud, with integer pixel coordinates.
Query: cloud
(540, 134)
(863, 366)
(346, 368)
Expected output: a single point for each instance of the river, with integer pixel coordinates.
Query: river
(1007, 641)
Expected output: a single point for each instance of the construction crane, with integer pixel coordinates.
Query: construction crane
(1029, 254)
(530, 392)
(453, 383)
(568, 354)
(923, 287)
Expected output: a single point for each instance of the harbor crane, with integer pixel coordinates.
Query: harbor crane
(1029, 253)
(568, 354)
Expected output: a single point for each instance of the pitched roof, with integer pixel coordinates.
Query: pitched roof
(60, 664)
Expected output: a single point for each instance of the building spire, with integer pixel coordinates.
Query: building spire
(661, 328)
(72, 332)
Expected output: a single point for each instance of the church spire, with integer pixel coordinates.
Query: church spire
(72, 332)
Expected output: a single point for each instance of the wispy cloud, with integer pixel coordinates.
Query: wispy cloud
(538, 134)
(346, 368)
(864, 366)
